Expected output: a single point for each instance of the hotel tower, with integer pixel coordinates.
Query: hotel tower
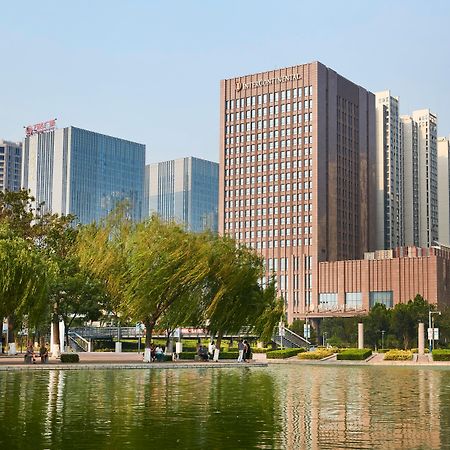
(297, 174)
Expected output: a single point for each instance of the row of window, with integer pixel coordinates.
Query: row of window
(271, 111)
(267, 222)
(275, 210)
(270, 97)
(329, 300)
(242, 150)
(274, 233)
(278, 243)
(271, 123)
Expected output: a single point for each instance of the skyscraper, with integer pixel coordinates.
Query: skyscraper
(389, 170)
(419, 141)
(443, 150)
(80, 172)
(297, 173)
(10, 165)
(184, 190)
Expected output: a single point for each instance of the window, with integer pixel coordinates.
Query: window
(383, 297)
(328, 301)
(353, 300)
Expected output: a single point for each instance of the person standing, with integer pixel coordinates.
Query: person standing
(211, 348)
(247, 351)
(241, 350)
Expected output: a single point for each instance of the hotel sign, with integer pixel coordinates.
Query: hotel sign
(42, 127)
(267, 81)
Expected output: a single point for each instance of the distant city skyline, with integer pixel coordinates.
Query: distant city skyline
(129, 70)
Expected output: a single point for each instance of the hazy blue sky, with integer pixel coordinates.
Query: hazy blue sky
(149, 71)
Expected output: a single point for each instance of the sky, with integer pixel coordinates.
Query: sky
(150, 71)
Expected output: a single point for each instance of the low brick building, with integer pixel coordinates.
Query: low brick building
(352, 287)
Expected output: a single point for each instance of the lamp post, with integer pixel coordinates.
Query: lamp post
(382, 338)
(324, 338)
(431, 329)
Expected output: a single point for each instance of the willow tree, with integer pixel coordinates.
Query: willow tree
(148, 267)
(23, 282)
(234, 297)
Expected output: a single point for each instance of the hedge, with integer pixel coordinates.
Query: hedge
(316, 354)
(354, 354)
(398, 355)
(441, 355)
(70, 358)
(286, 353)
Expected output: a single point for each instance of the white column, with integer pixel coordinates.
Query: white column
(360, 335)
(421, 339)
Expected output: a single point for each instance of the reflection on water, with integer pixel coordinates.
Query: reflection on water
(286, 406)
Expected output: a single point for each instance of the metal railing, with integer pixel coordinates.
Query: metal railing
(290, 339)
(79, 343)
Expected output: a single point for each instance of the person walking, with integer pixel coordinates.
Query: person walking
(241, 350)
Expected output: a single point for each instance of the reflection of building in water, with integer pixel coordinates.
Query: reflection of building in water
(335, 407)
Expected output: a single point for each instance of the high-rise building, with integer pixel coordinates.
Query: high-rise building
(389, 172)
(297, 173)
(80, 172)
(184, 190)
(419, 141)
(443, 150)
(10, 165)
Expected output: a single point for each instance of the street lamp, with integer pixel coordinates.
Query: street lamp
(382, 338)
(324, 338)
(431, 328)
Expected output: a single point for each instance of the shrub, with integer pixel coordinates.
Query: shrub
(70, 358)
(441, 355)
(286, 353)
(316, 354)
(354, 354)
(398, 355)
(416, 350)
(382, 350)
(261, 350)
(187, 355)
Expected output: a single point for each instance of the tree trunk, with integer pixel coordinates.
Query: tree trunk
(11, 336)
(218, 344)
(11, 333)
(56, 343)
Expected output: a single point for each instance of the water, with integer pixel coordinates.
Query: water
(281, 407)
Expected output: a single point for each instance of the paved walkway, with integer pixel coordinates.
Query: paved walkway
(125, 360)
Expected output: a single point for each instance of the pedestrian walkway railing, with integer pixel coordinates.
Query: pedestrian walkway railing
(79, 343)
(289, 339)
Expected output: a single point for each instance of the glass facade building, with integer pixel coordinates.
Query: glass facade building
(184, 190)
(80, 172)
(10, 165)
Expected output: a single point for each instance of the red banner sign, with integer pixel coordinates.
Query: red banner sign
(42, 127)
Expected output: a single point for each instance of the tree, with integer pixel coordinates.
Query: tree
(378, 319)
(233, 296)
(148, 268)
(23, 281)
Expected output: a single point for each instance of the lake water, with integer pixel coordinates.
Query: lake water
(281, 407)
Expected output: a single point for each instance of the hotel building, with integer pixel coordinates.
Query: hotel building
(10, 165)
(184, 190)
(389, 172)
(80, 172)
(297, 174)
